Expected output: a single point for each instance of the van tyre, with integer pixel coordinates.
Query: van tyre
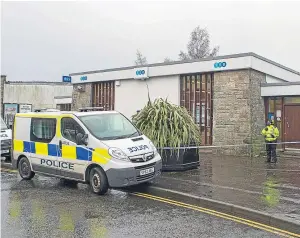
(98, 181)
(25, 169)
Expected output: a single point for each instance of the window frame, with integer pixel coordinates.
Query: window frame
(104, 139)
(42, 140)
(65, 106)
(61, 128)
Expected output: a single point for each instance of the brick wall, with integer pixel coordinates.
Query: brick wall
(81, 98)
(238, 111)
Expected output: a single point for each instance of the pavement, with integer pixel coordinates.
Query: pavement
(251, 183)
(47, 207)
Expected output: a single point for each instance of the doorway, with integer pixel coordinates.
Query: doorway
(292, 125)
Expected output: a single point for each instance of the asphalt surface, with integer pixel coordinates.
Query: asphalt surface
(251, 183)
(46, 207)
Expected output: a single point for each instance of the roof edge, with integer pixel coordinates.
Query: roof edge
(279, 84)
(37, 82)
(190, 61)
(164, 64)
(275, 63)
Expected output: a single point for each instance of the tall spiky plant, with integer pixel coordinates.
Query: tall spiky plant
(167, 125)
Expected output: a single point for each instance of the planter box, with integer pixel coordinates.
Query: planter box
(184, 160)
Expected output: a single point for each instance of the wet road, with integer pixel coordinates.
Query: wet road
(46, 207)
(251, 183)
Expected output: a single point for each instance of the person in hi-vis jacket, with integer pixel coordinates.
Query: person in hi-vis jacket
(271, 133)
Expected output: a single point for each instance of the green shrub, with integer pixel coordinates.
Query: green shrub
(167, 125)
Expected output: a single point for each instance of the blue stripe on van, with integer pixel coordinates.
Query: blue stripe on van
(52, 149)
(29, 147)
(83, 154)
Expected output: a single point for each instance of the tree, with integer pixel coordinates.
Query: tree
(199, 45)
(167, 60)
(140, 59)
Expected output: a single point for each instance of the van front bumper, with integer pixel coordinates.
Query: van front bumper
(131, 176)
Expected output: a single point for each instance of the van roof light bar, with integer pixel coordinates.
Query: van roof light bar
(89, 109)
(46, 110)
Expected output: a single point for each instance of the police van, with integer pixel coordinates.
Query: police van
(5, 140)
(100, 148)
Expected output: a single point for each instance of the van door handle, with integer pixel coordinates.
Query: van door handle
(60, 144)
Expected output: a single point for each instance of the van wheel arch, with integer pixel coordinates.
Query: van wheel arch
(88, 170)
(19, 158)
(25, 172)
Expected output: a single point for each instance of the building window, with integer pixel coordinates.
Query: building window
(103, 95)
(42, 129)
(196, 97)
(292, 100)
(64, 107)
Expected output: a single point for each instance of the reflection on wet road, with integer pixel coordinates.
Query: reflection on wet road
(46, 207)
(251, 183)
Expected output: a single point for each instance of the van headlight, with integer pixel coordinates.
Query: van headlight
(153, 148)
(118, 154)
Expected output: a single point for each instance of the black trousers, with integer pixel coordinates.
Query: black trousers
(271, 151)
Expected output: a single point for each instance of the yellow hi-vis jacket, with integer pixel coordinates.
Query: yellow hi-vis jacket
(270, 133)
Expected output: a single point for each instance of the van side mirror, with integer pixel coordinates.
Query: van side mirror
(81, 139)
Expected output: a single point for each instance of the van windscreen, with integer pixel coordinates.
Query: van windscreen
(109, 126)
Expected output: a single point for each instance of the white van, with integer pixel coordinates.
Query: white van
(5, 140)
(102, 148)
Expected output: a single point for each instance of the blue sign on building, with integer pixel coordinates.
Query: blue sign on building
(140, 72)
(83, 78)
(67, 79)
(220, 65)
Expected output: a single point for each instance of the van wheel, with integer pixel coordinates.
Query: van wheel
(98, 181)
(25, 169)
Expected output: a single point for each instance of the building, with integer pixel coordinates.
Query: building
(230, 97)
(28, 96)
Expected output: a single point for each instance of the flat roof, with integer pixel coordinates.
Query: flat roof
(37, 83)
(59, 113)
(191, 61)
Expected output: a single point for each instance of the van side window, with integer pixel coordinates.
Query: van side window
(70, 128)
(42, 129)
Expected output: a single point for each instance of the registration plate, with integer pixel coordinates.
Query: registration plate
(147, 171)
(4, 151)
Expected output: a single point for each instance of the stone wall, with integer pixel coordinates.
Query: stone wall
(231, 111)
(257, 110)
(83, 97)
(238, 112)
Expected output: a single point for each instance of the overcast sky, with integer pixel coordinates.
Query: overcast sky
(45, 40)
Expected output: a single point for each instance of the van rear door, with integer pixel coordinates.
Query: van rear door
(44, 155)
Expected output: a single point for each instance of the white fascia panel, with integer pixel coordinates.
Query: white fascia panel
(273, 70)
(288, 90)
(164, 70)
